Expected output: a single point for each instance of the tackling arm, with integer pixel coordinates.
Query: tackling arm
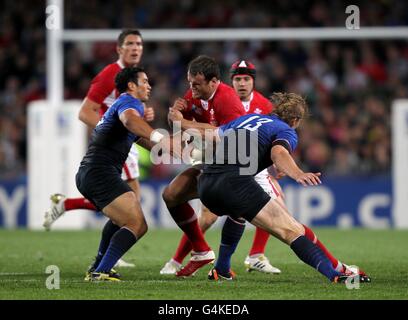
(284, 162)
(145, 143)
(148, 136)
(201, 127)
(134, 123)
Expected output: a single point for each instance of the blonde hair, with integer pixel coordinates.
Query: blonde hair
(289, 106)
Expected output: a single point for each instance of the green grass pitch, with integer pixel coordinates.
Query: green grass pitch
(24, 256)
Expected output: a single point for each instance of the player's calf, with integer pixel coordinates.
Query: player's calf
(206, 219)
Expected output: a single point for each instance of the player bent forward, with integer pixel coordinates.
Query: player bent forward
(225, 188)
(99, 175)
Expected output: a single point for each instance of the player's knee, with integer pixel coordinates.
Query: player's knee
(166, 195)
(142, 229)
(169, 197)
(289, 235)
(207, 220)
(138, 227)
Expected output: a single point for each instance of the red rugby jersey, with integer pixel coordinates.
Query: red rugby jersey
(222, 107)
(257, 104)
(103, 89)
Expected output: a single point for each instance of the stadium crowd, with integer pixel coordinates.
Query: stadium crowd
(349, 85)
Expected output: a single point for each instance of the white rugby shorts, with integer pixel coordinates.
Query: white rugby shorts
(130, 169)
(266, 182)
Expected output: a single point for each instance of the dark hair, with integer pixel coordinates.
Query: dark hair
(125, 33)
(206, 66)
(289, 106)
(125, 76)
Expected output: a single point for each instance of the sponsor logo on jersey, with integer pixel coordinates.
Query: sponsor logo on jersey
(246, 105)
(204, 104)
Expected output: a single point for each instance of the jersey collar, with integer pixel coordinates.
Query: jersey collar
(251, 96)
(121, 65)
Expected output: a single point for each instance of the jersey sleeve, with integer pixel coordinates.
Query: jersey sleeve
(269, 106)
(264, 103)
(287, 138)
(102, 85)
(135, 105)
(228, 108)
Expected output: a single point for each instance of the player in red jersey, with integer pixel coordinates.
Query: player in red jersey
(243, 77)
(208, 103)
(101, 94)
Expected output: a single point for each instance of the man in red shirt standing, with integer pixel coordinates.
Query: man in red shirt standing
(208, 103)
(101, 94)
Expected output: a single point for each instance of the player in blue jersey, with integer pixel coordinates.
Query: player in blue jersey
(248, 145)
(99, 174)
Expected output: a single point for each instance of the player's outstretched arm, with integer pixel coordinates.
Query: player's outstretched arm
(188, 124)
(284, 162)
(132, 121)
(176, 115)
(145, 143)
(89, 112)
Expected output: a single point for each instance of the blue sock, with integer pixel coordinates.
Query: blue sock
(311, 254)
(108, 231)
(120, 243)
(231, 234)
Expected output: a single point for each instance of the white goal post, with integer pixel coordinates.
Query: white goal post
(399, 125)
(58, 35)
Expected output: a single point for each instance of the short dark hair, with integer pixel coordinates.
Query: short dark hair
(125, 33)
(125, 76)
(206, 66)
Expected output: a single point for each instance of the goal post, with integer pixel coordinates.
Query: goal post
(400, 162)
(56, 145)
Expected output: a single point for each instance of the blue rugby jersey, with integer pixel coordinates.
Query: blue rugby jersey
(262, 132)
(111, 141)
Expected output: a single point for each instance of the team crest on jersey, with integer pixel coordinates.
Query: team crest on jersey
(204, 104)
(257, 110)
(196, 109)
(246, 105)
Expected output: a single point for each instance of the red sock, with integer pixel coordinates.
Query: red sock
(78, 203)
(183, 249)
(312, 237)
(186, 219)
(260, 239)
